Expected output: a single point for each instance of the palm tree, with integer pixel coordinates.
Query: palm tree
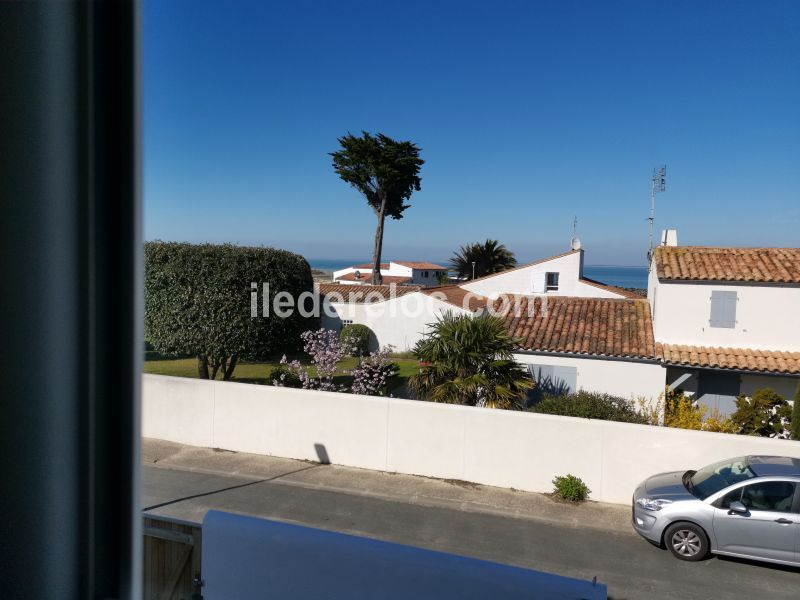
(477, 260)
(469, 360)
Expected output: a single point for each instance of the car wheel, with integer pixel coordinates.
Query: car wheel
(686, 541)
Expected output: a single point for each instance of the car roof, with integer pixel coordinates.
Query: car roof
(766, 466)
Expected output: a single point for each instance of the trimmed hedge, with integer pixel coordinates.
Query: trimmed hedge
(197, 302)
(590, 405)
(358, 337)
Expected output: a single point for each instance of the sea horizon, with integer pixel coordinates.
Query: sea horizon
(629, 276)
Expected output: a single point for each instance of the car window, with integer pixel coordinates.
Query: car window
(774, 496)
(713, 478)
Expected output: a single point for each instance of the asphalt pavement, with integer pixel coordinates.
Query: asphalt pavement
(489, 523)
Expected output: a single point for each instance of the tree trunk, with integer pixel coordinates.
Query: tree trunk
(226, 376)
(377, 278)
(214, 368)
(202, 366)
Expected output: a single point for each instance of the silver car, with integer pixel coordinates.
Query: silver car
(747, 507)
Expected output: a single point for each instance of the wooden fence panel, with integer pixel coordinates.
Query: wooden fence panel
(172, 552)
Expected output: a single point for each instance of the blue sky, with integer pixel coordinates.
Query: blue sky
(527, 113)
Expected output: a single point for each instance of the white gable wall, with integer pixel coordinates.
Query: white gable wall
(530, 280)
(399, 322)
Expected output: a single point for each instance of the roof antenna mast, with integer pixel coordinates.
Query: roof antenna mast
(575, 242)
(658, 185)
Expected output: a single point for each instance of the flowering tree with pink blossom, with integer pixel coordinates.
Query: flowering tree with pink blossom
(326, 351)
(372, 373)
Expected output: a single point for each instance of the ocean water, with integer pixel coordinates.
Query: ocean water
(629, 277)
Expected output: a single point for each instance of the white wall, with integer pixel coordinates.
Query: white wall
(530, 280)
(399, 322)
(492, 447)
(627, 379)
(767, 317)
(394, 270)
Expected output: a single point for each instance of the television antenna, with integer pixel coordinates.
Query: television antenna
(575, 243)
(658, 185)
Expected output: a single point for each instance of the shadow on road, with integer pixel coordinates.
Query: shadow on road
(232, 487)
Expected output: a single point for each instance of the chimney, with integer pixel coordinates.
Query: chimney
(669, 237)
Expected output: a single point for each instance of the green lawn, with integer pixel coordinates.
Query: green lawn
(259, 372)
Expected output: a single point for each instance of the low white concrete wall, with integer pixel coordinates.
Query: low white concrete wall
(492, 447)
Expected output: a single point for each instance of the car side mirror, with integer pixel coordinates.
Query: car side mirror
(737, 508)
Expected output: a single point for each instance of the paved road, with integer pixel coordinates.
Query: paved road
(631, 567)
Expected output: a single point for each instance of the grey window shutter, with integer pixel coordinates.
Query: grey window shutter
(723, 309)
(541, 374)
(566, 379)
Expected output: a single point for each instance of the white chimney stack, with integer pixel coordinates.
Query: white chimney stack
(669, 237)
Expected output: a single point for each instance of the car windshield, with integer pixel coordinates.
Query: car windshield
(711, 479)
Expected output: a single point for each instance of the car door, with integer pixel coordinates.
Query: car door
(769, 528)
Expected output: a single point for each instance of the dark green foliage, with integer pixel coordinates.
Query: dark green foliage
(385, 172)
(283, 376)
(796, 415)
(571, 488)
(469, 360)
(762, 414)
(489, 257)
(357, 338)
(197, 302)
(590, 405)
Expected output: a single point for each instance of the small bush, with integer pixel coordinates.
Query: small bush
(765, 414)
(795, 424)
(283, 376)
(356, 337)
(571, 488)
(590, 405)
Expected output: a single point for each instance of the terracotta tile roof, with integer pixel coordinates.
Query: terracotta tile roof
(364, 294)
(703, 263)
(739, 359)
(384, 266)
(420, 265)
(457, 296)
(591, 326)
(387, 279)
(612, 288)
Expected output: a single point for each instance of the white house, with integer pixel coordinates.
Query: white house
(596, 344)
(726, 320)
(716, 322)
(398, 315)
(397, 272)
(560, 275)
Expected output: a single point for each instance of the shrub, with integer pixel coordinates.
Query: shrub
(325, 351)
(764, 414)
(674, 409)
(283, 376)
(571, 488)
(372, 374)
(197, 301)
(795, 425)
(356, 337)
(590, 405)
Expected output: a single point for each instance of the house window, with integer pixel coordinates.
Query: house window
(723, 309)
(425, 274)
(347, 322)
(551, 282)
